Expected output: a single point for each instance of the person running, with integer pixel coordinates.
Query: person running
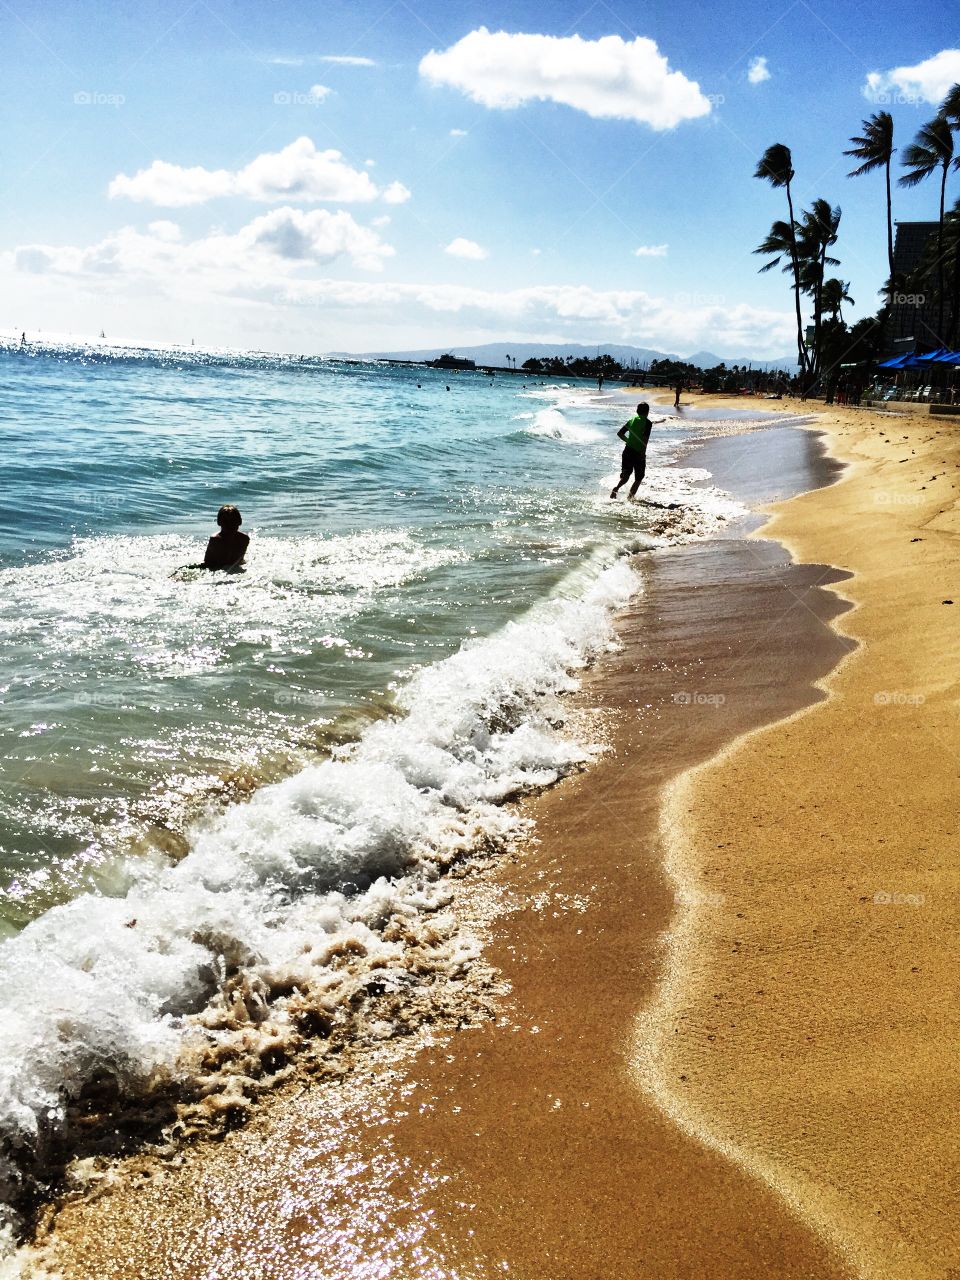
(634, 435)
(226, 549)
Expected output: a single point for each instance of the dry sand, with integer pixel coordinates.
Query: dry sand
(784, 1105)
(807, 1025)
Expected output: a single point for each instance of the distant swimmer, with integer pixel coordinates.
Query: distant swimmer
(635, 434)
(23, 338)
(226, 549)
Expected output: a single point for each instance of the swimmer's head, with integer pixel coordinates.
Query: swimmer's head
(643, 408)
(229, 517)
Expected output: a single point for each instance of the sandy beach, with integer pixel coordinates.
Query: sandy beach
(727, 1046)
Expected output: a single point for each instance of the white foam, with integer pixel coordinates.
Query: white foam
(107, 985)
(551, 422)
(114, 597)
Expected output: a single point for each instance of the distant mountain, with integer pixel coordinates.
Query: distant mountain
(495, 353)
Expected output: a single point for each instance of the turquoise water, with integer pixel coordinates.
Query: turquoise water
(199, 766)
(390, 520)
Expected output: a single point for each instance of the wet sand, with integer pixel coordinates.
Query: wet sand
(527, 1145)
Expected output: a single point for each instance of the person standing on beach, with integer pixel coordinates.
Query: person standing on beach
(635, 434)
(676, 398)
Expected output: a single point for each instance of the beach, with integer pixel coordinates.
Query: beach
(725, 1043)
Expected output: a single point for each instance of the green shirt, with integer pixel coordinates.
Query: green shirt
(638, 433)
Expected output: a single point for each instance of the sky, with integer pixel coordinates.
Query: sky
(313, 177)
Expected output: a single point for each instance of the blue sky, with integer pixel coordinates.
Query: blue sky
(380, 176)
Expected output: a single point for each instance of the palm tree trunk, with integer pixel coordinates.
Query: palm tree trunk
(943, 198)
(818, 310)
(801, 349)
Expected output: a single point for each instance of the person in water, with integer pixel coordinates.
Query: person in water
(226, 549)
(635, 435)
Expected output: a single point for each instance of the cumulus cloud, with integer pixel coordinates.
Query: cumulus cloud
(926, 81)
(651, 251)
(462, 248)
(609, 78)
(283, 240)
(347, 60)
(396, 193)
(320, 91)
(458, 133)
(758, 71)
(297, 172)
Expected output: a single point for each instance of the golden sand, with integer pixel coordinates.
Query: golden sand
(807, 1024)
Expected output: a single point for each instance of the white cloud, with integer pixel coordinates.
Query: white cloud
(926, 81)
(285, 62)
(163, 230)
(382, 221)
(536, 252)
(320, 91)
(609, 78)
(245, 279)
(396, 193)
(283, 240)
(458, 133)
(347, 60)
(651, 251)
(298, 172)
(461, 248)
(758, 71)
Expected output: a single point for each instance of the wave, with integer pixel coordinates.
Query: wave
(286, 908)
(551, 422)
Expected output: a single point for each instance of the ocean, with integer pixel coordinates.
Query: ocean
(240, 785)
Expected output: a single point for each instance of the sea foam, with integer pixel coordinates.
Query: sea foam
(274, 892)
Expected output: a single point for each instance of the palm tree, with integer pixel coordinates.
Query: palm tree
(950, 107)
(816, 234)
(874, 147)
(776, 167)
(932, 149)
(833, 295)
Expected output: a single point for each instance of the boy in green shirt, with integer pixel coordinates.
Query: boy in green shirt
(634, 435)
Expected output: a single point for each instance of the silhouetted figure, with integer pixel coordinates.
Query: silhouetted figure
(635, 434)
(226, 549)
(676, 398)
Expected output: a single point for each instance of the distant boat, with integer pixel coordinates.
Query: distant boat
(102, 334)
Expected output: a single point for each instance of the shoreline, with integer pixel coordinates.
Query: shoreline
(736, 1222)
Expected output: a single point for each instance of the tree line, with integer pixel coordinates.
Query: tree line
(802, 243)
